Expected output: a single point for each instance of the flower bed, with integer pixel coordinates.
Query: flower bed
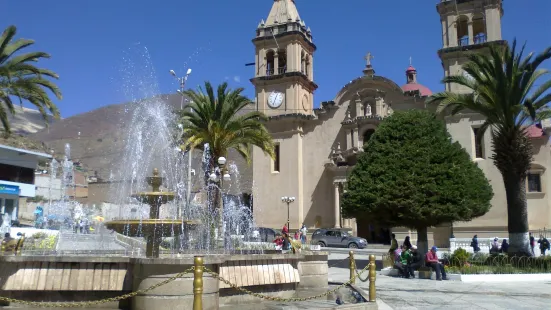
(461, 262)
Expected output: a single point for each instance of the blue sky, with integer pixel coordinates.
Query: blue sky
(89, 40)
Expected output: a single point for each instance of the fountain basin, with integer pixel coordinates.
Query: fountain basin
(154, 198)
(68, 278)
(146, 227)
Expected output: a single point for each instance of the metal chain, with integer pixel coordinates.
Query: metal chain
(96, 302)
(359, 273)
(359, 277)
(272, 298)
(179, 275)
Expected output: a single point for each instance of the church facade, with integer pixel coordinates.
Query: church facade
(317, 148)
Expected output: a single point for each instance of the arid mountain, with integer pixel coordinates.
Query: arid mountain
(97, 139)
(26, 121)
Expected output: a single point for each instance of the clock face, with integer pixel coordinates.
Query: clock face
(275, 99)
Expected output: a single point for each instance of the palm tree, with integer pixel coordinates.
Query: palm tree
(21, 79)
(221, 121)
(504, 89)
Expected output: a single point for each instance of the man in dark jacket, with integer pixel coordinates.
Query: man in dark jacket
(417, 259)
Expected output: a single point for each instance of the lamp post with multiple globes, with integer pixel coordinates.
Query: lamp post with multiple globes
(182, 81)
(288, 201)
(218, 175)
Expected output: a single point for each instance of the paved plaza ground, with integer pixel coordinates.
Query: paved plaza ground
(412, 294)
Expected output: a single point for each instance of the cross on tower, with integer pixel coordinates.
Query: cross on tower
(368, 58)
(410, 60)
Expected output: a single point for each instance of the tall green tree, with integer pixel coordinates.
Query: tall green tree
(509, 91)
(221, 120)
(22, 80)
(412, 175)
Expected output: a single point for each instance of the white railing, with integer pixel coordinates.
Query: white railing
(483, 243)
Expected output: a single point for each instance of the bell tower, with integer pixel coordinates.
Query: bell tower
(284, 74)
(467, 26)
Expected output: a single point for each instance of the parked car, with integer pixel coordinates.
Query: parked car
(261, 234)
(337, 238)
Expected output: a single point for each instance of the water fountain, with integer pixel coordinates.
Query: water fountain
(154, 228)
(91, 275)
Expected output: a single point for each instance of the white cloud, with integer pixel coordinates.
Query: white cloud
(226, 78)
(237, 79)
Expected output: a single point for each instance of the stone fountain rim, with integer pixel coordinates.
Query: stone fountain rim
(141, 194)
(145, 221)
(207, 258)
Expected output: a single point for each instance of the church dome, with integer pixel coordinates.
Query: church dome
(412, 86)
(423, 90)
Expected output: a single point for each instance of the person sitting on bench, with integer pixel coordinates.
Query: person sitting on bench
(417, 260)
(432, 261)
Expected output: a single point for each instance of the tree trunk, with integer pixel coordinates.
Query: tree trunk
(517, 214)
(422, 240)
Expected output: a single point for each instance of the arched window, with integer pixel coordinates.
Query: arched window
(367, 135)
(270, 62)
(462, 25)
(479, 29)
(281, 62)
(303, 62)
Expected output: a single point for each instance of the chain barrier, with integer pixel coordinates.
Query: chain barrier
(95, 302)
(358, 275)
(273, 298)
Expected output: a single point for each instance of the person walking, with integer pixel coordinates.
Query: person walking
(544, 245)
(474, 244)
(532, 244)
(393, 244)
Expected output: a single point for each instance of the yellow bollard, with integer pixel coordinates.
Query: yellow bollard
(19, 246)
(198, 283)
(352, 265)
(372, 275)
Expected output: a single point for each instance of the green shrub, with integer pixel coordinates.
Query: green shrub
(459, 257)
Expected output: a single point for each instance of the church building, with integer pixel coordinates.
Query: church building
(317, 148)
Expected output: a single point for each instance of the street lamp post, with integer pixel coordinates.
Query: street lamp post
(288, 201)
(218, 175)
(182, 81)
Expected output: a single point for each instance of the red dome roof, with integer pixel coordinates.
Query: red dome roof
(410, 69)
(423, 90)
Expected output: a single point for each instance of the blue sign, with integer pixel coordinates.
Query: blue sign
(9, 189)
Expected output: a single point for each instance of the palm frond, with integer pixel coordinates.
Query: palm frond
(22, 80)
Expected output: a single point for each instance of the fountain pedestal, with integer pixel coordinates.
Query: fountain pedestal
(153, 229)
